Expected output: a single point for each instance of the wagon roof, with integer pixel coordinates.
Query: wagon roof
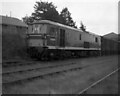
(111, 35)
(12, 21)
(61, 25)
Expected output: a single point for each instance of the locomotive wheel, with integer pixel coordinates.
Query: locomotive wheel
(83, 53)
(44, 55)
(32, 53)
(51, 55)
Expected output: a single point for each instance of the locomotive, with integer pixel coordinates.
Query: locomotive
(48, 39)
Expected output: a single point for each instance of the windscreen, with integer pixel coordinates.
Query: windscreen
(39, 28)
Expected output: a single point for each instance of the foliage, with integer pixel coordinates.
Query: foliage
(27, 19)
(47, 11)
(66, 17)
(82, 27)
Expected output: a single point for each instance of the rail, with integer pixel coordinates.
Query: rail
(85, 90)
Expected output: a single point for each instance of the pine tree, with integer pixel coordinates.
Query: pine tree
(66, 18)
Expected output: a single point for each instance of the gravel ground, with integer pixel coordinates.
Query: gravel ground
(107, 86)
(70, 82)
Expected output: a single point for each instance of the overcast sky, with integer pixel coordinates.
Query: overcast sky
(99, 16)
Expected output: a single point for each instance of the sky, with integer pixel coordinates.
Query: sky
(99, 16)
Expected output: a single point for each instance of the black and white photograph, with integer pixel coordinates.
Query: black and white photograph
(60, 47)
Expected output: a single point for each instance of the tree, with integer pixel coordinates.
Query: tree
(27, 19)
(82, 27)
(45, 11)
(66, 18)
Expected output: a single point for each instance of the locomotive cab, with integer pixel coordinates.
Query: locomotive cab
(37, 35)
(42, 37)
(36, 38)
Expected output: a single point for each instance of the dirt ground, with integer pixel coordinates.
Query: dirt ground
(71, 82)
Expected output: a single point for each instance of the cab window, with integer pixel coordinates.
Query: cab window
(36, 28)
(40, 28)
(53, 32)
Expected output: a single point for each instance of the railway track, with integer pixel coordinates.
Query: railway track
(19, 67)
(70, 73)
(97, 82)
(24, 75)
(35, 68)
(36, 74)
(13, 63)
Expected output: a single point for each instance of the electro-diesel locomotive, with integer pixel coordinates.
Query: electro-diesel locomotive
(47, 39)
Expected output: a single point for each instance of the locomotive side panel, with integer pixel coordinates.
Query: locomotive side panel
(30, 29)
(93, 40)
(82, 39)
(52, 32)
(72, 39)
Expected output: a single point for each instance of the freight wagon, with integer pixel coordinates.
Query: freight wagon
(109, 46)
(47, 39)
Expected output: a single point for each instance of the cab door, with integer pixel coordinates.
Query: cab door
(86, 45)
(62, 38)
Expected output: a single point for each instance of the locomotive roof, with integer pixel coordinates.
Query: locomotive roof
(57, 24)
(61, 25)
(12, 21)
